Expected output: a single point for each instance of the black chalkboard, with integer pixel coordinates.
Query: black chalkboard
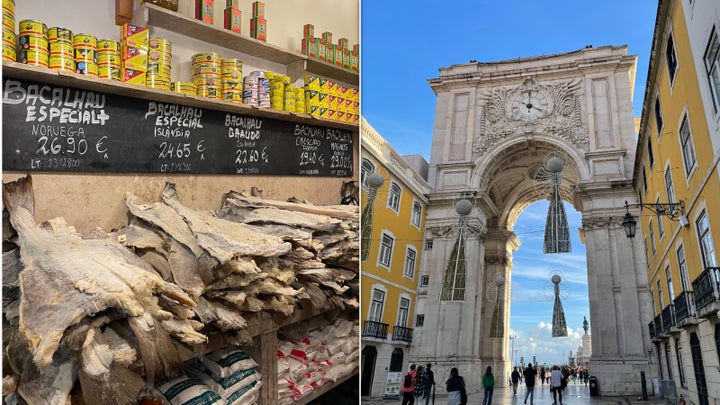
(54, 128)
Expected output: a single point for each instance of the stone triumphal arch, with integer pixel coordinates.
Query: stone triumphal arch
(494, 125)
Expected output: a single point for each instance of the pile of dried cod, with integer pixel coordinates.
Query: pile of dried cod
(117, 312)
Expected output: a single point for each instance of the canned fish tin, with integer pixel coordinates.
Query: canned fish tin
(108, 58)
(62, 62)
(157, 82)
(159, 69)
(27, 27)
(159, 57)
(111, 72)
(232, 84)
(85, 40)
(207, 80)
(207, 68)
(86, 68)
(199, 58)
(108, 46)
(85, 54)
(61, 48)
(160, 44)
(184, 88)
(8, 52)
(34, 57)
(31, 41)
(9, 35)
(8, 21)
(209, 91)
(235, 96)
(9, 5)
(58, 33)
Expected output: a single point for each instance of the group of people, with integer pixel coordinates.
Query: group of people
(419, 383)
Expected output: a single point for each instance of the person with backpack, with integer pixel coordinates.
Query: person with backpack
(488, 382)
(430, 383)
(420, 383)
(408, 388)
(456, 388)
(515, 378)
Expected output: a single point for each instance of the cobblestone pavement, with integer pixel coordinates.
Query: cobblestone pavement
(574, 394)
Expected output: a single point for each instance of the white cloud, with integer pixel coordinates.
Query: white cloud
(538, 341)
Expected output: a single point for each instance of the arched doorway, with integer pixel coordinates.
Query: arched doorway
(369, 358)
(396, 360)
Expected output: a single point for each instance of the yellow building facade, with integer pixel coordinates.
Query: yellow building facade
(392, 243)
(677, 164)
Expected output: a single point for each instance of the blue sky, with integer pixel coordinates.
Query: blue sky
(404, 43)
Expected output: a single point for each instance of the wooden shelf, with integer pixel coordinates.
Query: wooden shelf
(151, 15)
(70, 79)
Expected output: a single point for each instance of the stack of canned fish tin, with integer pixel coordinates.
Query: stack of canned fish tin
(159, 63)
(231, 70)
(9, 51)
(85, 54)
(108, 55)
(206, 75)
(32, 48)
(256, 89)
(62, 53)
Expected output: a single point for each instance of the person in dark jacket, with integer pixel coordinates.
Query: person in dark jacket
(455, 384)
(420, 382)
(430, 383)
(514, 378)
(529, 375)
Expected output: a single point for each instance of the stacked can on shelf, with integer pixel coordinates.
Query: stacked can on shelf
(277, 90)
(62, 53)
(300, 100)
(133, 53)
(159, 63)
(186, 88)
(231, 70)
(9, 50)
(32, 43)
(233, 16)
(256, 89)
(206, 68)
(109, 62)
(322, 48)
(258, 23)
(85, 54)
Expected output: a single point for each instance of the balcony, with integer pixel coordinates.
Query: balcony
(375, 330)
(651, 327)
(402, 334)
(707, 290)
(658, 326)
(668, 318)
(683, 308)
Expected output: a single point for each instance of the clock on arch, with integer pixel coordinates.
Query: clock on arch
(529, 102)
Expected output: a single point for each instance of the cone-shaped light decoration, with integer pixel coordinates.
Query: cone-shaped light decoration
(559, 327)
(373, 181)
(453, 288)
(497, 328)
(557, 234)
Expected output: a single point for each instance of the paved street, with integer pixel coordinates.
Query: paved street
(574, 394)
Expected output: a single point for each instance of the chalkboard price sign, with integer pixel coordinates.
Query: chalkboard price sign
(54, 128)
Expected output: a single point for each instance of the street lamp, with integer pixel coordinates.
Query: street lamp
(512, 347)
(674, 211)
(373, 181)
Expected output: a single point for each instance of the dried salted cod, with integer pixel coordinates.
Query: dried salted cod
(216, 313)
(53, 386)
(66, 278)
(222, 239)
(242, 200)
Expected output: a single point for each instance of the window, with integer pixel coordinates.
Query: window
(671, 58)
(386, 247)
(661, 299)
(394, 197)
(424, 280)
(366, 169)
(419, 320)
(658, 116)
(712, 66)
(667, 360)
(651, 158)
(668, 279)
(682, 265)
(686, 144)
(428, 244)
(410, 254)
(644, 179)
(647, 253)
(706, 242)
(403, 311)
(376, 306)
(651, 236)
(416, 214)
(681, 371)
(661, 226)
(669, 188)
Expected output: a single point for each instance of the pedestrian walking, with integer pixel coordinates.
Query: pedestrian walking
(420, 382)
(556, 384)
(430, 383)
(529, 375)
(455, 388)
(488, 382)
(408, 388)
(514, 378)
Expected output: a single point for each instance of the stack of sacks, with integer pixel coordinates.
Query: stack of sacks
(186, 390)
(230, 373)
(307, 361)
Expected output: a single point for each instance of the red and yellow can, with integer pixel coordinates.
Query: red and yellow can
(85, 40)
(62, 48)
(30, 27)
(109, 71)
(160, 44)
(108, 58)
(213, 80)
(62, 62)
(184, 88)
(209, 91)
(35, 57)
(86, 68)
(108, 46)
(8, 52)
(59, 34)
(208, 57)
(157, 82)
(32, 42)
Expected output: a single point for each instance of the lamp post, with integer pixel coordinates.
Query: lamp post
(373, 181)
(512, 347)
(674, 211)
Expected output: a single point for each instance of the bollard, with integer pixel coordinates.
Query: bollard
(644, 388)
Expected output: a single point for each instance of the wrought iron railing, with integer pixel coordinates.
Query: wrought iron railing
(375, 330)
(668, 318)
(658, 325)
(706, 287)
(651, 327)
(683, 306)
(402, 334)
